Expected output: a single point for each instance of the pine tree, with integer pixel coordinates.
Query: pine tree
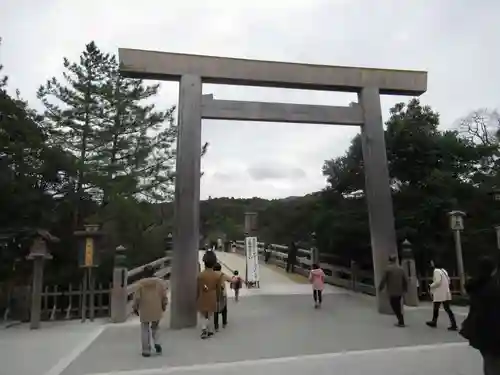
(76, 113)
(125, 147)
(136, 156)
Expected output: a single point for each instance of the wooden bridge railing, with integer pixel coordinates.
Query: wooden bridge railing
(347, 277)
(163, 266)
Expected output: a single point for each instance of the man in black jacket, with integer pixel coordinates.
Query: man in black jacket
(396, 284)
(482, 325)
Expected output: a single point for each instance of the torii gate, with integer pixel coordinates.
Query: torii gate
(194, 70)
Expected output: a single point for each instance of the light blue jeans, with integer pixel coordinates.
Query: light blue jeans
(149, 331)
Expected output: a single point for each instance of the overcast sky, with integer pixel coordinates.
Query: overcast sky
(456, 41)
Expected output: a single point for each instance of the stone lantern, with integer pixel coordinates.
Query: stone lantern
(38, 254)
(169, 245)
(119, 294)
(456, 220)
(408, 264)
(457, 225)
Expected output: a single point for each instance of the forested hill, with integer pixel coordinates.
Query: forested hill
(279, 220)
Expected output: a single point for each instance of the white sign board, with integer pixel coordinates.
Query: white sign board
(252, 260)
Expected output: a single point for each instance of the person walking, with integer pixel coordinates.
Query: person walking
(222, 301)
(441, 294)
(317, 279)
(395, 282)
(267, 253)
(150, 301)
(236, 284)
(291, 258)
(482, 325)
(208, 293)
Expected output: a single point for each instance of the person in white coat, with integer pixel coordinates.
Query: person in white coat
(441, 294)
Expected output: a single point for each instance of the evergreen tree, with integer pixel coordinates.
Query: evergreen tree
(76, 113)
(135, 141)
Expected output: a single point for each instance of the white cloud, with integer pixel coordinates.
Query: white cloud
(455, 40)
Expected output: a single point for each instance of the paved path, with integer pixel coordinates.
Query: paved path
(272, 280)
(276, 330)
(46, 351)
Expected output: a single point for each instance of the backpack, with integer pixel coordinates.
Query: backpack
(236, 284)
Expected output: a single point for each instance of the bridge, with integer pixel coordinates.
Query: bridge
(273, 329)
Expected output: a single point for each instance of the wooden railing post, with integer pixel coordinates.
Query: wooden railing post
(119, 294)
(354, 275)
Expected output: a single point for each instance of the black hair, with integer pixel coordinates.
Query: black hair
(217, 267)
(235, 273)
(209, 259)
(315, 266)
(437, 264)
(393, 258)
(149, 271)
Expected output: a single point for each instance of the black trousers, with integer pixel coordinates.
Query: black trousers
(396, 307)
(223, 312)
(447, 308)
(290, 266)
(318, 296)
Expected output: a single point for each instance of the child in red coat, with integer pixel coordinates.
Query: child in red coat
(236, 284)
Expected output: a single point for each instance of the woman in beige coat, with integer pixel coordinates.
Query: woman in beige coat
(150, 301)
(208, 293)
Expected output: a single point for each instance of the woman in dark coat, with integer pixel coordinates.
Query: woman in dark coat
(482, 325)
(292, 257)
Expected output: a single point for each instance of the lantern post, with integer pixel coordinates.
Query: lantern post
(89, 246)
(457, 225)
(119, 292)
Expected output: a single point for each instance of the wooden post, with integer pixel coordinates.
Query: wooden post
(54, 304)
(91, 294)
(84, 296)
(354, 275)
(100, 307)
(70, 300)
